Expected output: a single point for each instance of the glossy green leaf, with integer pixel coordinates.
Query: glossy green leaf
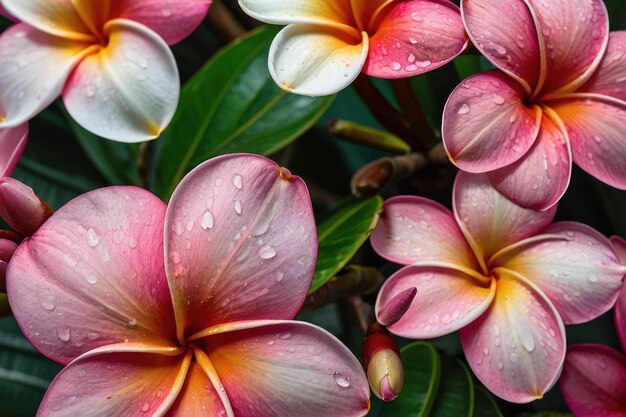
(422, 372)
(456, 390)
(24, 373)
(341, 235)
(232, 105)
(485, 405)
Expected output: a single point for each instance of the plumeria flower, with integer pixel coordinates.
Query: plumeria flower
(501, 274)
(109, 60)
(203, 331)
(12, 144)
(558, 95)
(327, 43)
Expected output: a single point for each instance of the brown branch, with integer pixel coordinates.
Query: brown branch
(223, 23)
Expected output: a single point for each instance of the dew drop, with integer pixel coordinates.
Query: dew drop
(145, 408)
(465, 108)
(92, 279)
(279, 276)
(207, 220)
(267, 252)
(396, 66)
(498, 99)
(64, 334)
(48, 304)
(238, 207)
(92, 238)
(341, 380)
(237, 181)
(132, 243)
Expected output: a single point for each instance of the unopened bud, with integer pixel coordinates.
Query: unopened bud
(385, 372)
(376, 175)
(397, 307)
(21, 208)
(7, 248)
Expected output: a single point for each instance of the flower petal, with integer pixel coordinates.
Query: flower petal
(595, 126)
(12, 144)
(414, 37)
(575, 35)
(173, 20)
(486, 124)
(547, 166)
(116, 384)
(314, 60)
(34, 69)
(275, 369)
(593, 382)
(416, 229)
(129, 90)
(241, 243)
(93, 275)
(619, 245)
(446, 300)
(580, 273)
(489, 221)
(57, 17)
(517, 347)
(610, 77)
(505, 33)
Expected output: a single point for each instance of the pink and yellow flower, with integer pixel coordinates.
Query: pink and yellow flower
(109, 60)
(203, 331)
(12, 144)
(558, 95)
(327, 43)
(499, 273)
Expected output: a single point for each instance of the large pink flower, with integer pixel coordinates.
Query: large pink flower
(502, 275)
(109, 60)
(12, 144)
(559, 94)
(327, 43)
(203, 331)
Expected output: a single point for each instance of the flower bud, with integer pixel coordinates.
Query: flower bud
(7, 248)
(397, 307)
(21, 208)
(385, 372)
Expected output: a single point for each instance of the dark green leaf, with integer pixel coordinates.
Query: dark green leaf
(456, 390)
(341, 235)
(485, 405)
(232, 105)
(422, 371)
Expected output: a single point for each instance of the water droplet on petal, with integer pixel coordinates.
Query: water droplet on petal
(92, 279)
(238, 207)
(237, 181)
(145, 408)
(92, 238)
(465, 108)
(64, 334)
(341, 380)
(207, 220)
(267, 252)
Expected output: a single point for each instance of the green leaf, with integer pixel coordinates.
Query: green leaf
(232, 105)
(467, 65)
(341, 235)
(24, 373)
(456, 390)
(422, 372)
(485, 405)
(117, 162)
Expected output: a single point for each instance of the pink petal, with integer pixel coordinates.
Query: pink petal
(414, 37)
(486, 124)
(93, 275)
(547, 166)
(575, 34)
(129, 90)
(58, 18)
(116, 384)
(415, 229)
(447, 300)
(619, 245)
(610, 77)
(241, 243)
(172, 20)
(34, 69)
(505, 33)
(276, 369)
(489, 220)
(579, 273)
(595, 126)
(517, 347)
(594, 381)
(12, 144)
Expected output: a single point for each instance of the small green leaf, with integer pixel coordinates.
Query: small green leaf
(422, 372)
(456, 390)
(232, 105)
(341, 235)
(485, 405)
(24, 373)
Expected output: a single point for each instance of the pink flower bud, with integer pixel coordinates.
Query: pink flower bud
(397, 307)
(20, 207)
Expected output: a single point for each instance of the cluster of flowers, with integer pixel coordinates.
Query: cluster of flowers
(205, 329)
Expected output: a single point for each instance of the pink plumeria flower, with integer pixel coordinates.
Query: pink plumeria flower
(109, 60)
(203, 331)
(12, 144)
(558, 95)
(501, 274)
(327, 43)
(593, 382)
(620, 307)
